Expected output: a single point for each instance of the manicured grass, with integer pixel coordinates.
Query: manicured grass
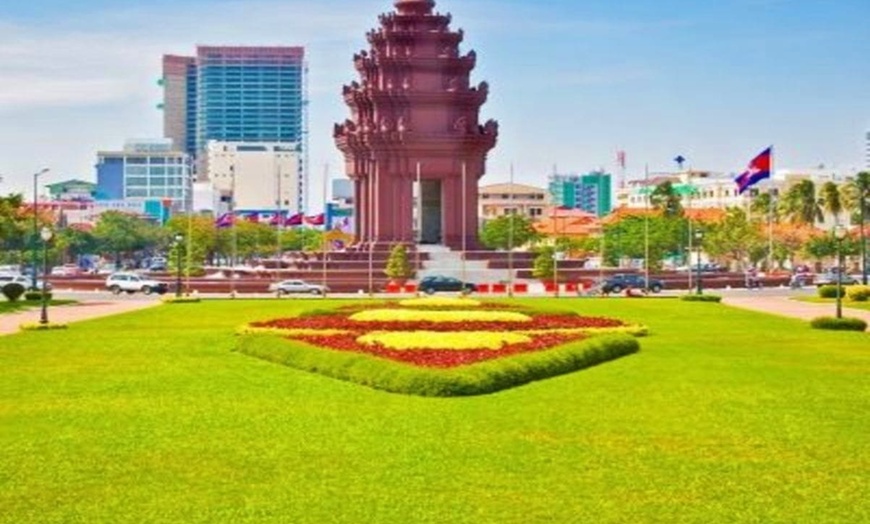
(724, 416)
(832, 301)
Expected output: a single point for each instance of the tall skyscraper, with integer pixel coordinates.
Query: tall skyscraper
(235, 94)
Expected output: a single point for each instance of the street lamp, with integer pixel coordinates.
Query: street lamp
(178, 239)
(699, 237)
(45, 234)
(35, 256)
(839, 234)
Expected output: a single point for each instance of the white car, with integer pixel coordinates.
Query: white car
(131, 283)
(297, 286)
(24, 281)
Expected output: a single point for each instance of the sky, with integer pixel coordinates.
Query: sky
(571, 81)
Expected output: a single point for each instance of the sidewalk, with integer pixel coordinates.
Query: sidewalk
(85, 310)
(786, 307)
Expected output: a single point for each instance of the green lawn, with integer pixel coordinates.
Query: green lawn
(21, 305)
(724, 416)
(832, 301)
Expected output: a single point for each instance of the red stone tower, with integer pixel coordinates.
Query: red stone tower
(414, 108)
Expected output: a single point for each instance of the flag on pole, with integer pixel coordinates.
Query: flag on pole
(758, 170)
(225, 220)
(294, 220)
(316, 220)
(620, 159)
(276, 219)
(253, 217)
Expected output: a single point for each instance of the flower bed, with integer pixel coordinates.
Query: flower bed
(416, 315)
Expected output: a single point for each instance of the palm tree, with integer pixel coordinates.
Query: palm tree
(800, 204)
(665, 198)
(765, 205)
(830, 199)
(856, 198)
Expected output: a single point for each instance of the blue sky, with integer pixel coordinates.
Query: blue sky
(571, 82)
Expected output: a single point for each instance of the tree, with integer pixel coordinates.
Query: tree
(734, 238)
(856, 198)
(628, 238)
(800, 204)
(830, 199)
(13, 228)
(764, 205)
(72, 243)
(398, 268)
(665, 199)
(119, 233)
(496, 233)
(542, 267)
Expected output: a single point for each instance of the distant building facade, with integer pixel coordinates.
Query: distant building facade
(234, 94)
(503, 199)
(72, 191)
(591, 192)
(147, 172)
(253, 175)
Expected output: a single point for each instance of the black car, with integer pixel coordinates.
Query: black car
(617, 283)
(434, 284)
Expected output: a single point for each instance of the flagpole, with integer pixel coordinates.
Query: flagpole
(511, 236)
(690, 227)
(646, 224)
(464, 225)
(324, 239)
(369, 228)
(279, 227)
(770, 217)
(418, 225)
(233, 233)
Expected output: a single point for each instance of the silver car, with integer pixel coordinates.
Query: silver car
(297, 286)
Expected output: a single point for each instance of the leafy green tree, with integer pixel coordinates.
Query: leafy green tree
(496, 233)
(70, 243)
(666, 199)
(735, 239)
(14, 229)
(122, 234)
(856, 199)
(800, 204)
(301, 239)
(628, 238)
(764, 205)
(542, 267)
(398, 268)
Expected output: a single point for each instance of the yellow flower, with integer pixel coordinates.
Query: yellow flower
(461, 340)
(412, 315)
(439, 302)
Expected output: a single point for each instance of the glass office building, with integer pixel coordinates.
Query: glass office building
(234, 94)
(590, 192)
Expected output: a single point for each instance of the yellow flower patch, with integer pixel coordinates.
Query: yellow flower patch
(300, 332)
(458, 340)
(439, 302)
(411, 315)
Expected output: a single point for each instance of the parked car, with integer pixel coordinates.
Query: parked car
(830, 278)
(24, 281)
(157, 264)
(297, 286)
(131, 283)
(434, 284)
(617, 283)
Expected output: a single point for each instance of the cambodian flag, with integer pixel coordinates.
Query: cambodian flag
(759, 169)
(276, 219)
(225, 220)
(316, 220)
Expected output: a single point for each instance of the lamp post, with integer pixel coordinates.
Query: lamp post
(839, 235)
(699, 237)
(35, 226)
(178, 239)
(45, 234)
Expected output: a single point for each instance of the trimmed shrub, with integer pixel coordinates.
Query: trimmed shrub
(36, 296)
(13, 291)
(180, 300)
(839, 324)
(51, 326)
(701, 298)
(475, 379)
(829, 291)
(858, 293)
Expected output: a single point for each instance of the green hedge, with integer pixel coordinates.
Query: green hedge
(12, 291)
(476, 379)
(36, 296)
(858, 293)
(830, 291)
(839, 324)
(701, 298)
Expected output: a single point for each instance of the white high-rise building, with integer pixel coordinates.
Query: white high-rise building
(253, 174)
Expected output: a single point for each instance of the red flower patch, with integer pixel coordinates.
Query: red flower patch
(538, 322)
(436, 358)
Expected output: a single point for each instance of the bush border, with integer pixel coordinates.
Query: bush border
(51, 326)
(475, 379)
(839, 324)
(701, 298)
